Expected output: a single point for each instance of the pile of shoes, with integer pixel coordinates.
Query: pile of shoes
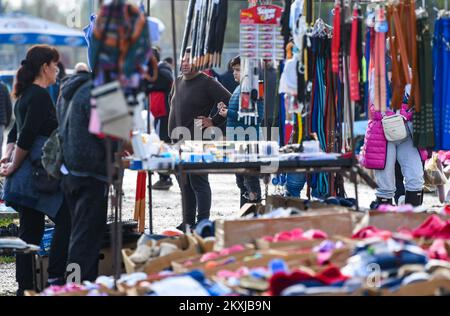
(149, 248)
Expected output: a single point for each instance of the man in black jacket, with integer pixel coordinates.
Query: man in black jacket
(5, 112)
(85, 181)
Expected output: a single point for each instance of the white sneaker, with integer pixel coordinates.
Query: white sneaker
(142, 254)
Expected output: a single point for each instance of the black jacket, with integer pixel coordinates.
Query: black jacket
(5, 106)
(84, 153)
(163, 83)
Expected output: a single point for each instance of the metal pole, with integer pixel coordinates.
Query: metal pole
(174, 38)
(149, 173)
(353, 172)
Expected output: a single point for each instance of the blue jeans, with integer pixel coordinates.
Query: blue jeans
(411, 164)
(295, 183)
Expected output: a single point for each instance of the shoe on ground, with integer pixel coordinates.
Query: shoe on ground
(380, 201)
(183, 227)
(162, 185)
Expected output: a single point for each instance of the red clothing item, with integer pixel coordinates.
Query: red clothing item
(158, 104)
(281, 281)
(430, 228)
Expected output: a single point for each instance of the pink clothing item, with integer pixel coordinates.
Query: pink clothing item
(229, 251)
(438, 251)
(404, 233)
(385, 208)
(297, 235)
(444, 157)
(209, 256)
(315, 234)
(371, 231)
(225, 252)
(373, 153)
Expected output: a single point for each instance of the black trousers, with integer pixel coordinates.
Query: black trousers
(162, 129)
(31, 230)
(88, 204)
(247, 185)
(197, 192)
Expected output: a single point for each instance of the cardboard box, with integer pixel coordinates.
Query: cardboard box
(276, 201)
(188, 245)
(233, 232)
(105, 266)
(430, 288)
(266, 257)
(206, 245)
(394, 221)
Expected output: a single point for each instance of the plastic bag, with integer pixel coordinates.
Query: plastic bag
(434, 173)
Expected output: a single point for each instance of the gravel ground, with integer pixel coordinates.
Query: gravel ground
(167, 210)
(8, 285)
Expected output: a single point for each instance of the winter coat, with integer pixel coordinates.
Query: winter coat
(374, 151)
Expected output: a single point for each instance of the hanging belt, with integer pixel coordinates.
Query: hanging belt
(396, 80)
(423, 121)
(322, 178)
(401, 45)
(369, 40)
(354, 62)
(380, 73)
(336, 41)
(414, 99)
(330, 109)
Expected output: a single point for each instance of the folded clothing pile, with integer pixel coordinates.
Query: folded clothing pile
(385, 255)
(432, 228)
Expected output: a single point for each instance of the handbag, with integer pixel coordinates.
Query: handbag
(41, 180)
(52, 151)
(112, 109)
(394, 128)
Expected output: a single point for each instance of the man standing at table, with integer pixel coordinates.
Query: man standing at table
(195, 97)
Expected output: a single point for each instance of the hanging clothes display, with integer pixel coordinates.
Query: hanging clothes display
(441, 59)
(322, 106)
(424, 117)
(204, 32)
(121, 40)
(121, 51)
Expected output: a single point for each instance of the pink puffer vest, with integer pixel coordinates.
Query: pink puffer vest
(373, 153)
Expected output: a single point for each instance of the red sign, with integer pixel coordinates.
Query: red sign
(262, 14)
